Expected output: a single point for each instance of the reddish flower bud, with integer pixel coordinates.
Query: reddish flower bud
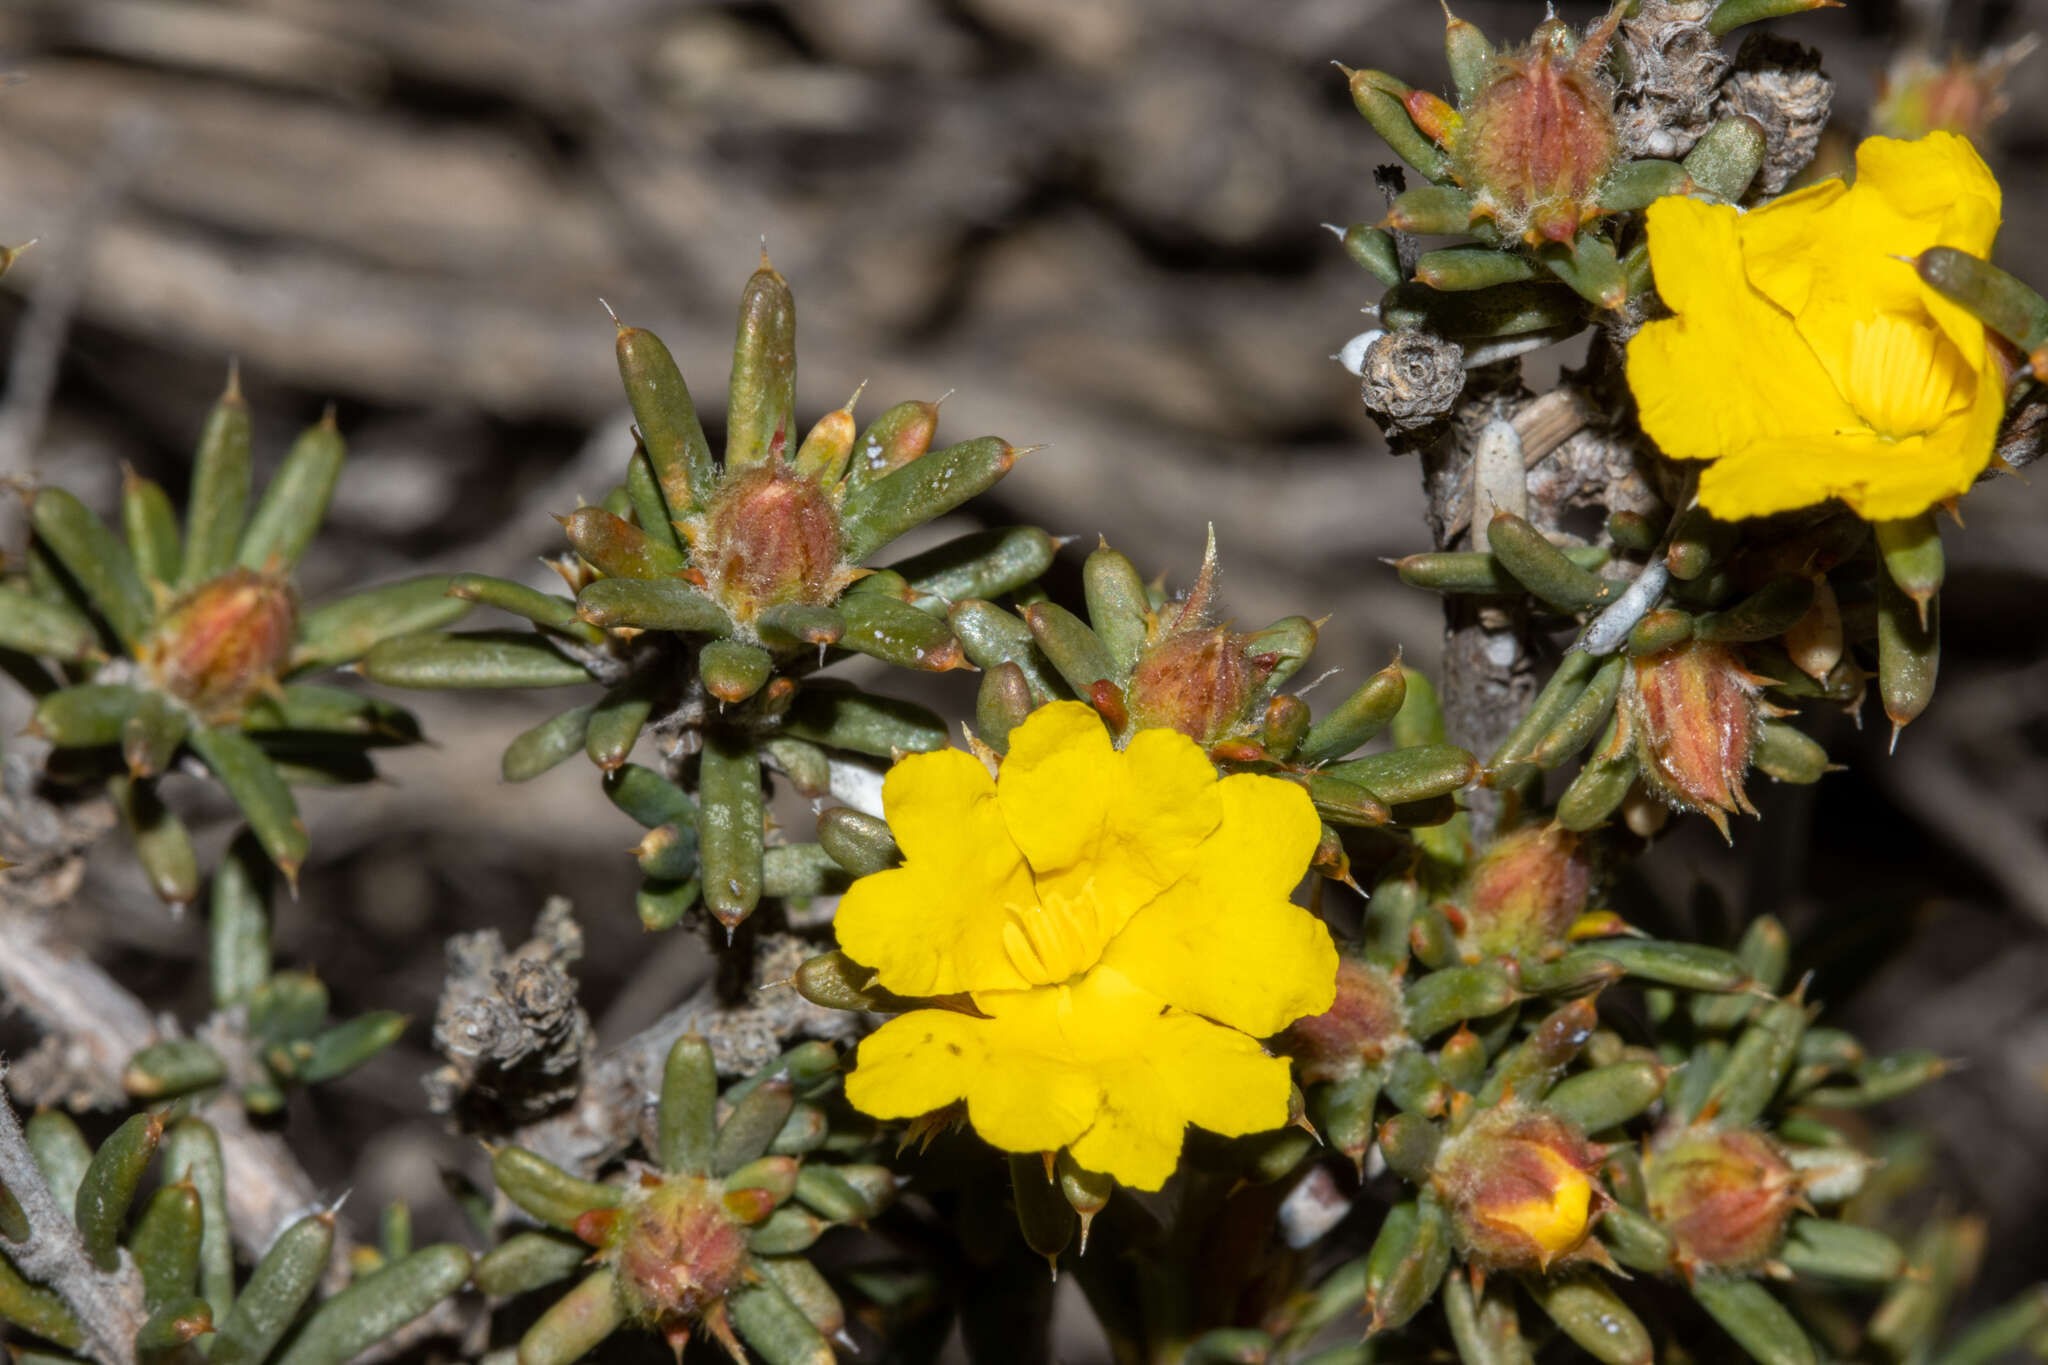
(1525, 891)
(1365, 1026)
(1693, 714)
(1918, 96)
(769, 538)
(223, 643)
(1518, 1184)
(1538, 137)
(1725, 1197)
(1198, 682)
(676, 1250)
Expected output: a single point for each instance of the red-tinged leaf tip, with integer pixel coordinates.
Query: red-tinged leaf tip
(1108, 700)
(233, 392)
(1238, 751)
(749, 1205)
(1431, 115)
(593, 1227)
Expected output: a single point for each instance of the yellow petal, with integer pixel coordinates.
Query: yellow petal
(1021, 1095)
(1099, 1066)
(1166, 805)
(936, 925)
(1938, 180)
(1880, 480)
(1928, 179)
(1836, 373)
(1941, 464)
(1173, 1069)
(1093, 821)
(1781, 473)
(1904, 377)
(935, 801)
(928, 930)
(1225, 942)
(1730, 369)
(1216, 1078)
(1777, 246)
(915, 1063)
(1056, 785)
(1908, 196)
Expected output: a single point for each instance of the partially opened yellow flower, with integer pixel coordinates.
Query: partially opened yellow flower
(1120, 919)
(1809, 362)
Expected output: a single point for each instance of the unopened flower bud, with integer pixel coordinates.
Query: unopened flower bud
(1538, 136)
(770, 538)
(676, 1249)
(1918, 95)
(1693, 714)
(1525, 892)
(1724, 1196)
(1197, 681)
(223, 642)
(1518, 1184)
(1363, 1028)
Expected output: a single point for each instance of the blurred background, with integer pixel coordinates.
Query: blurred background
(1095, 223)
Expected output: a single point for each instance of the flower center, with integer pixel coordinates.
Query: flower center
(1057, 937)
(1903, 376)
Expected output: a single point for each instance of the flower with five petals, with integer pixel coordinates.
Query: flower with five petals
(1119, 923)
(1807, 361)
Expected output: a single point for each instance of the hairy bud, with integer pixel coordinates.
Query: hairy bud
(1363, 1028)
(223, 643)
(1538, 137)
(1693, 714)
(1918, 96)
(1725, 1197)
(1519, 1187)
(1524, 892)
(1198, 682)
(676, 1250)
(770, 538)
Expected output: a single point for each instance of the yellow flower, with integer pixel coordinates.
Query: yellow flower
(1807, 361)
(1120, 921)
